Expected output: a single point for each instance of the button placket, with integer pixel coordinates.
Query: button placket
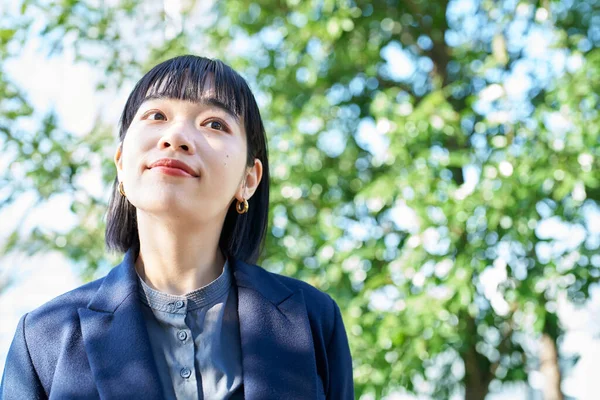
(182, 335)
(185, 373)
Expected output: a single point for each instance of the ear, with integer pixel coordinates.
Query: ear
(118, 159)
(251, 181)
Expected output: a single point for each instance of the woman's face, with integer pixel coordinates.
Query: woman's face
(206, 137)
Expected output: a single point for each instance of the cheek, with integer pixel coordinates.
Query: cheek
(136, 144)
(231, 156)
(129, 152)
(229, 163)
(231, 168)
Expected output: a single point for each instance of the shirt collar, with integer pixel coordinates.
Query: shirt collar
(195, 299)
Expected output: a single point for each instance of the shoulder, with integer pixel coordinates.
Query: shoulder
(61, 312)
(44, 333)
(321, 308)
(275, 286)
(313, 296)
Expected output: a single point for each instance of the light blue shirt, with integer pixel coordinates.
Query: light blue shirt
(195, 339)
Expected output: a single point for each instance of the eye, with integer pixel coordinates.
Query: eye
(156, 116)
(217, 125)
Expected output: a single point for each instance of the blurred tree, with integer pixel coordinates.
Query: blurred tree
(434, 165)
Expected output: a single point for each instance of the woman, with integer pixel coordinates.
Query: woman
(186, 314)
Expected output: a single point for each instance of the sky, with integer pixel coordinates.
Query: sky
(68, 88)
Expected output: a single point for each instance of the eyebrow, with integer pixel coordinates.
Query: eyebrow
(208, 101)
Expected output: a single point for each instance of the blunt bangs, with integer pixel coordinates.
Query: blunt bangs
(194, 79)
(198, 79)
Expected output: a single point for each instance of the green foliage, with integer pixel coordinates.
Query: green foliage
(397, 234)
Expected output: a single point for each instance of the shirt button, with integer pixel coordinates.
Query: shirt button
(181, 335)
(179, 303)
(185, 373)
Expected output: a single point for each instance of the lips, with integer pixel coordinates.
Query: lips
(172, 163)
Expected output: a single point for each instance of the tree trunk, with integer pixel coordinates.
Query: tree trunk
(478, 393)
(549, 369)
(477, 369)
(476, 380)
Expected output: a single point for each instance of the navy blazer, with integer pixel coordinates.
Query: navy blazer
(92, 342)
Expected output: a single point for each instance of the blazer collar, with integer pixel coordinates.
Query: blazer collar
(121, 282)
(278, 358)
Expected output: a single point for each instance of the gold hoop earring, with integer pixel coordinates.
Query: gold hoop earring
(242, 208)
(121, 189)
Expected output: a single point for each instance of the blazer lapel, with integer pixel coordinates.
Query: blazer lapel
(115, 338)
(277, 346)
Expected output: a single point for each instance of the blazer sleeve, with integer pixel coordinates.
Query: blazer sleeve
(339, 360)
(20, 380)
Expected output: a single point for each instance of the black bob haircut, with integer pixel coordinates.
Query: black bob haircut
(189, 78)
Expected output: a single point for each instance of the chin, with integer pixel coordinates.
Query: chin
(157, 200)
(166, 210)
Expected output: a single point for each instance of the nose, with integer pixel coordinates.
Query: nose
(178, 137)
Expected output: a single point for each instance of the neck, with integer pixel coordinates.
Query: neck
(177, 259)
